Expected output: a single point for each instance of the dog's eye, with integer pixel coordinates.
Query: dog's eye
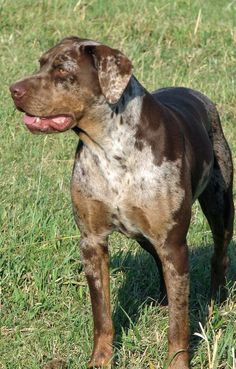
(62, 71)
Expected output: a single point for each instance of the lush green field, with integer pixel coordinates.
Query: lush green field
(45, 307)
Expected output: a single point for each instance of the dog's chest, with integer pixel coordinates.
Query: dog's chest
(132, 187)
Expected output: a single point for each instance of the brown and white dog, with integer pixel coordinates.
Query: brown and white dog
(141, 162)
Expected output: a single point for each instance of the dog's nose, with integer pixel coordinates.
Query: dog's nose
(17, 90)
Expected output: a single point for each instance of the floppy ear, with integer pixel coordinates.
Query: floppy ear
(114, 70)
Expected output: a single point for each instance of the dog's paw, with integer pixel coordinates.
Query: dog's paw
(100, 361)
(55, 364)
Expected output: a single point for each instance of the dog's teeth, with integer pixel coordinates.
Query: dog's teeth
(37, 120)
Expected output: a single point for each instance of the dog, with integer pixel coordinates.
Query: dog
(142, 160)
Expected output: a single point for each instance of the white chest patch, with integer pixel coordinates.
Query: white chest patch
(131, 186)
(141, 197)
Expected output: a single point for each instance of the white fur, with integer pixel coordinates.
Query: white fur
(134, 179)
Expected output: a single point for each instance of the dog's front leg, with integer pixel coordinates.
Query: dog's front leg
(175, 268)
(95, 258)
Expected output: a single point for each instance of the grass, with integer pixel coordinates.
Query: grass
(45, 307)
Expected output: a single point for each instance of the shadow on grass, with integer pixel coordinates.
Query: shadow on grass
(141, 286)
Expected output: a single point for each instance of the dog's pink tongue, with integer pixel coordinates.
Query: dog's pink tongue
(57, 123)
(29, 120)
(60, 119)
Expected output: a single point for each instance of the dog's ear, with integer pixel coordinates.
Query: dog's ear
(114, 70)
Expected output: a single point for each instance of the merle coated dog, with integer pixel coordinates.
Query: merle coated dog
(142, 160)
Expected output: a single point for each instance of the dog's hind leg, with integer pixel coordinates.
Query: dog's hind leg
(217, 204)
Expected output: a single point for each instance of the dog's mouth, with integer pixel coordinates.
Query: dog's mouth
(51, 124)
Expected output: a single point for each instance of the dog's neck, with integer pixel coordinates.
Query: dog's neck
(114, 128)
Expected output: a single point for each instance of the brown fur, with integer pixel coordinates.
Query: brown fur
(141, 162)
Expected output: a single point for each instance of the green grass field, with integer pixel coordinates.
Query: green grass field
(45, 306)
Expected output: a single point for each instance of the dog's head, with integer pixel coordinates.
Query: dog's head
(74, 76)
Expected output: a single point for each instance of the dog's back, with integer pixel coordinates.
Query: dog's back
(195, 109)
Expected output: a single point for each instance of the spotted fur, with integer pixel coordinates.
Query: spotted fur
(141, 161)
